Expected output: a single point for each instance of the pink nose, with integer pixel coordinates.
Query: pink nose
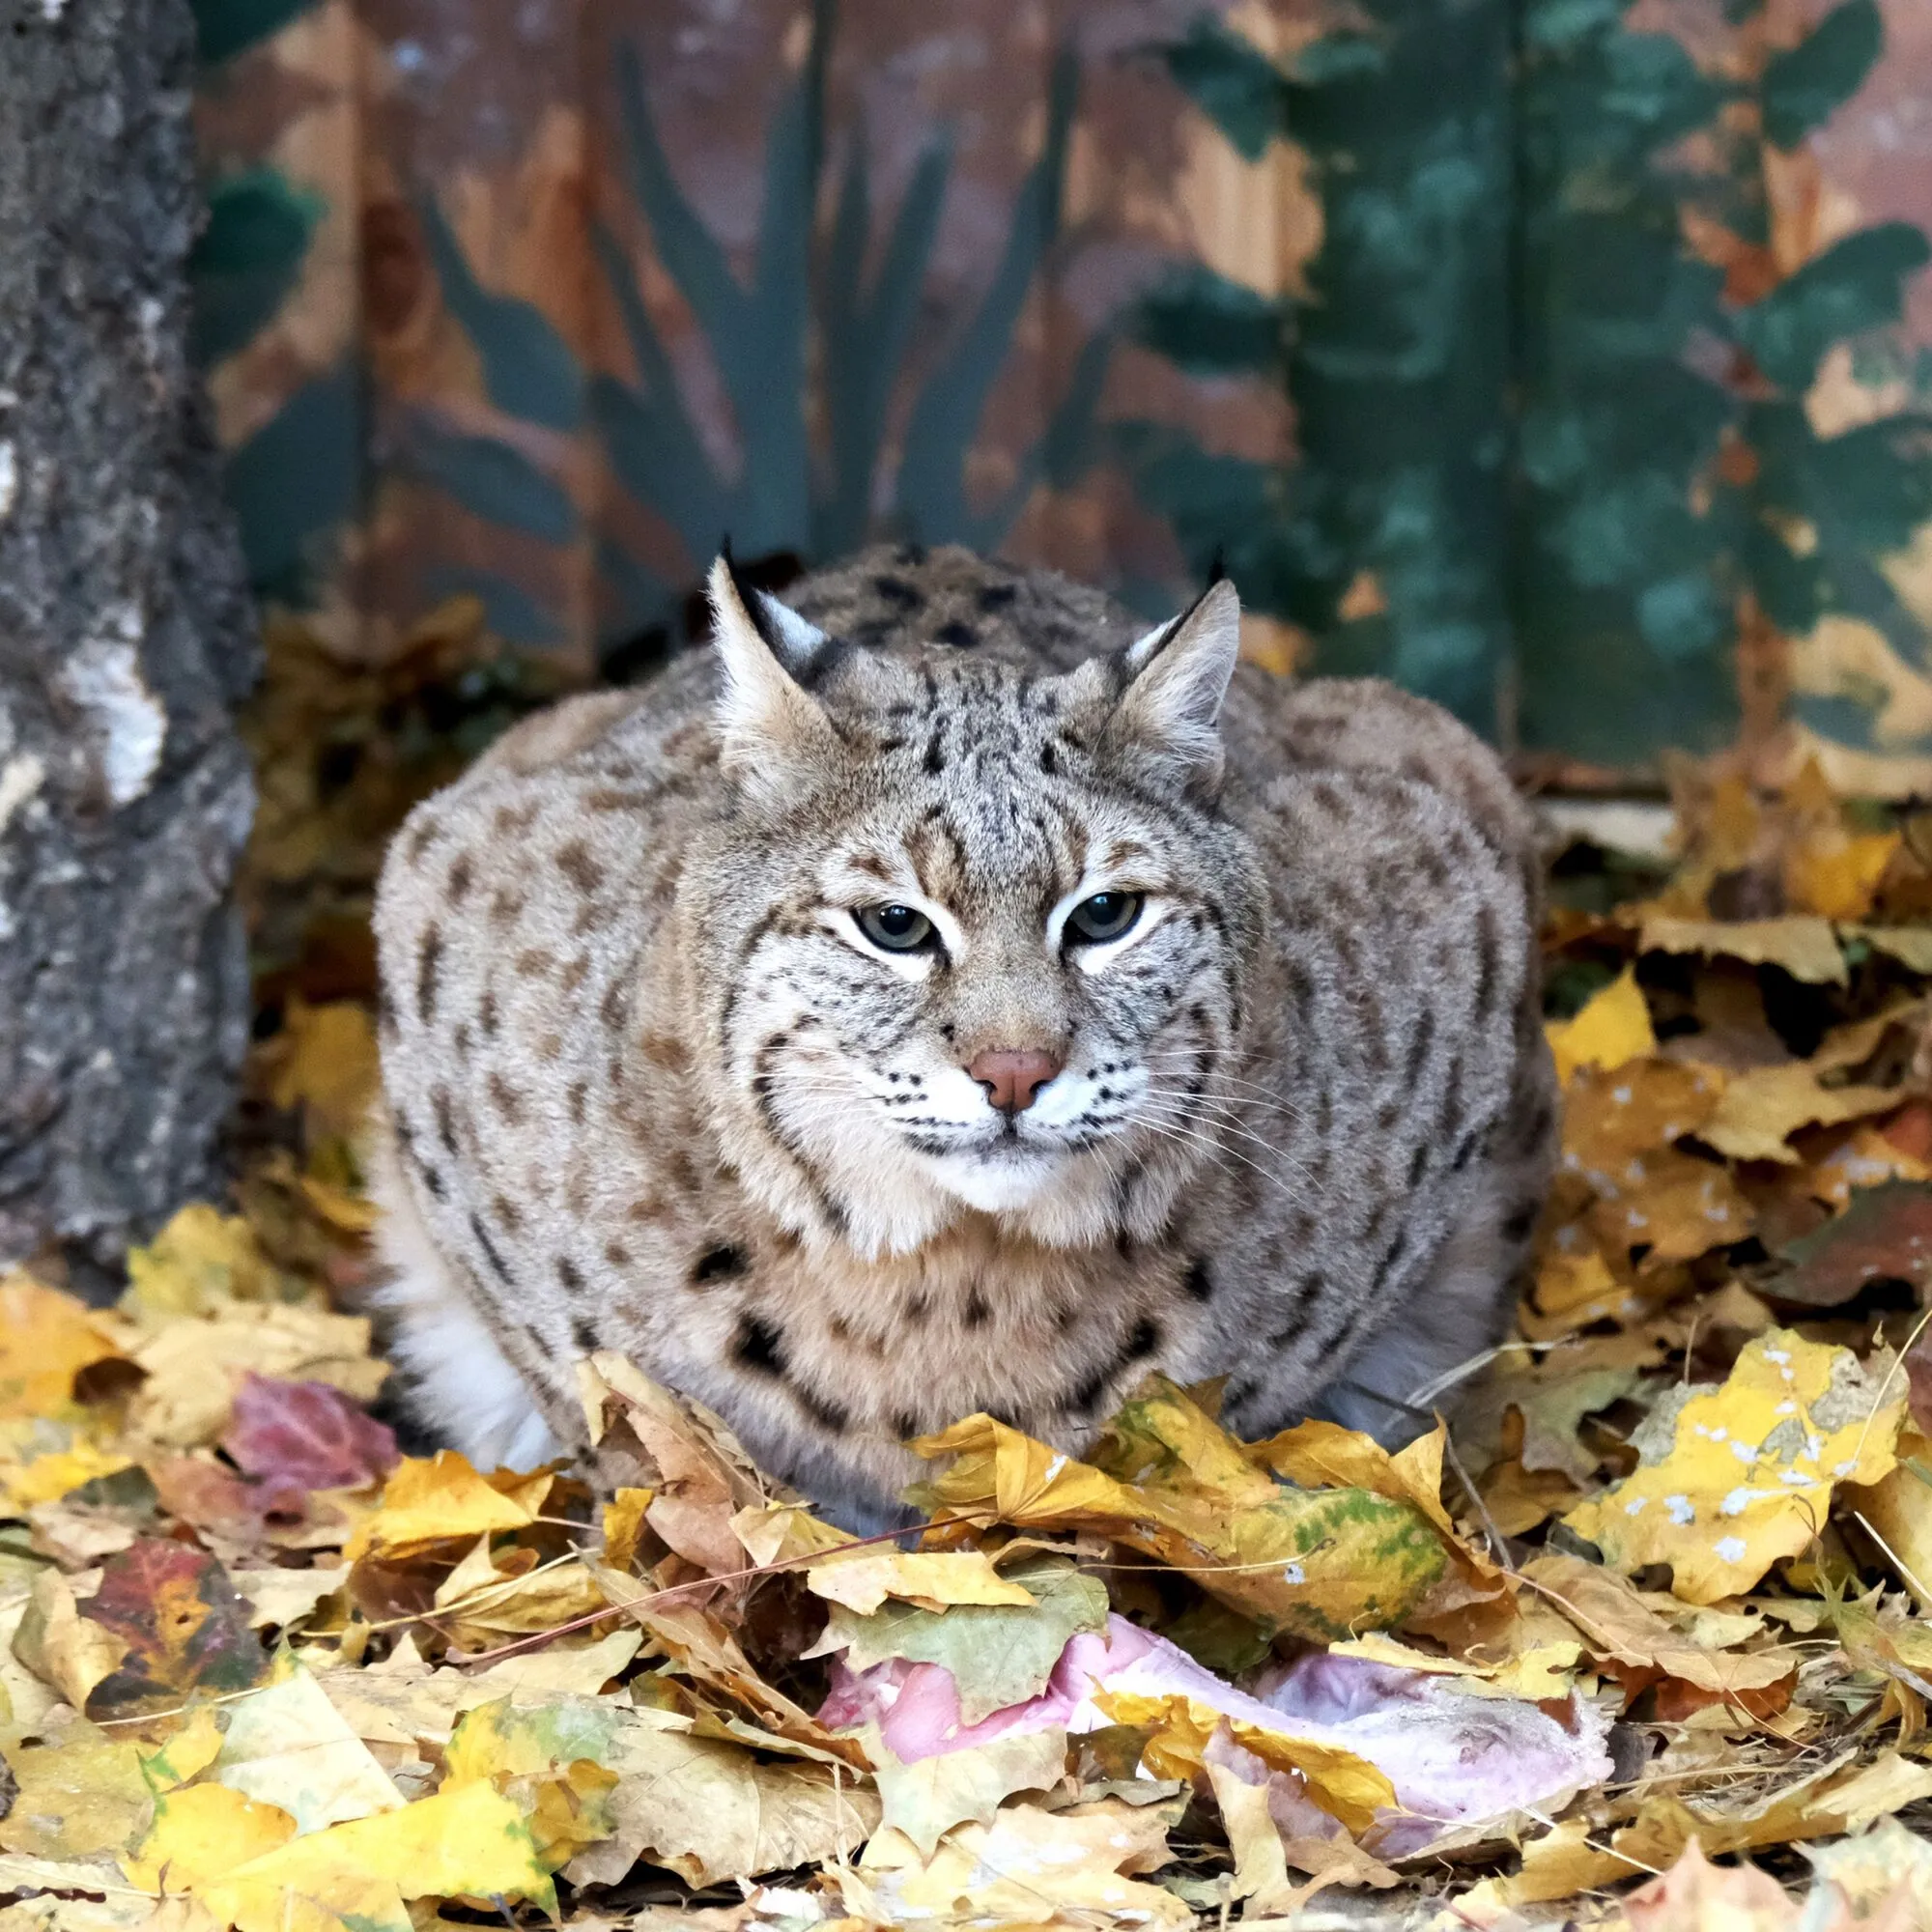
(1012, 1077)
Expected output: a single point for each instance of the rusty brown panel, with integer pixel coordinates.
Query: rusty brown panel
(481, 108)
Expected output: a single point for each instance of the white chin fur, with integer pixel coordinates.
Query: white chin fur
(996, 1186)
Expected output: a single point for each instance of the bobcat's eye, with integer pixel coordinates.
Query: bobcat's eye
(1105, 916)
(895, 929)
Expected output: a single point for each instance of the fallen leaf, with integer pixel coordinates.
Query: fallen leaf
(926, 1798)
(1805, 947)
(647, 1437)
(202, 1261)
(182, 1626)
(710, 1811)
(60, 1646)
(280, 1599)
(931, 1580)
(442, 1499)
(471, 1841)
(996, 1654)
(554, 1759)
(193, 1367)
(287, 1745)
(308, 1433)
(46, 1338)
(1621, 1629)
(1314, 1563)
(326, 1064)
(1732, 1478)
(1028, 1867)
(1885, 1232)
(1694, 1895)
(1611, 1027)
(203, 1833)
(1761, 1109)
(479, 1602)
(80, 1790)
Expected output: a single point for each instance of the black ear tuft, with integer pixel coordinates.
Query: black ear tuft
(1217, 566)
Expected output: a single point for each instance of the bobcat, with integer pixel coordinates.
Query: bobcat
(939, 997)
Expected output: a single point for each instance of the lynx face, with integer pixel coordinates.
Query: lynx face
(979, 938)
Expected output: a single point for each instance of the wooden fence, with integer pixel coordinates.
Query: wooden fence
(1566, 359)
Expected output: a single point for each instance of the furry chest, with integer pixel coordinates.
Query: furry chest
(896, 1348)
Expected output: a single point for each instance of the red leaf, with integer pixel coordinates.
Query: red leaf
(307, 1434)
(184, 1625)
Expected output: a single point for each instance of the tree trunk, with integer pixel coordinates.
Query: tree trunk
(125, 639)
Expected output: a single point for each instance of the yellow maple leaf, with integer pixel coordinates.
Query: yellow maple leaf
(624, 1526)
(441, 1498)
(1734, 1477)
(42, 1478)
(1611, 1027)
(201, 1261)
(933, 1579)
(1322, 1563)
(1343, 1783)
(481, 1599)
(202, 1833)
(468, 1842)
(46, 1338)
(326, 1063)
(1838, 875)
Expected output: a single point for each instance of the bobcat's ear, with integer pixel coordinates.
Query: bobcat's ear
(767, 720)
(1177, 679)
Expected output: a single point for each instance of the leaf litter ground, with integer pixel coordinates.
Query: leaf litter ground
(1642, 1642)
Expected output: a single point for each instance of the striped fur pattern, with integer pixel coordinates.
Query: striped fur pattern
(650, 1087)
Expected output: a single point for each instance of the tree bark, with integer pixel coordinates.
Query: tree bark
(125, 639)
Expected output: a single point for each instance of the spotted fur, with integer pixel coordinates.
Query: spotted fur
(650, 1088)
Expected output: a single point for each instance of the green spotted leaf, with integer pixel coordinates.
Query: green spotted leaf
(246, 259)
(1806, 85)
(1210, 326)
(1855, 285)
(1232, 82)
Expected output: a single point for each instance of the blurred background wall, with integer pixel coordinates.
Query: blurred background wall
(1567, 360)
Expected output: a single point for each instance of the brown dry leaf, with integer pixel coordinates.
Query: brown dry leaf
(1622, 1628)
(483, 1600)
(193, 1367)
(1844, 1797)
(1029, 1867)
(1763, 1108)
(711, 1811)
(1806, 948)
(647, 1437)
(62, 1647)
(1897, 1509)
